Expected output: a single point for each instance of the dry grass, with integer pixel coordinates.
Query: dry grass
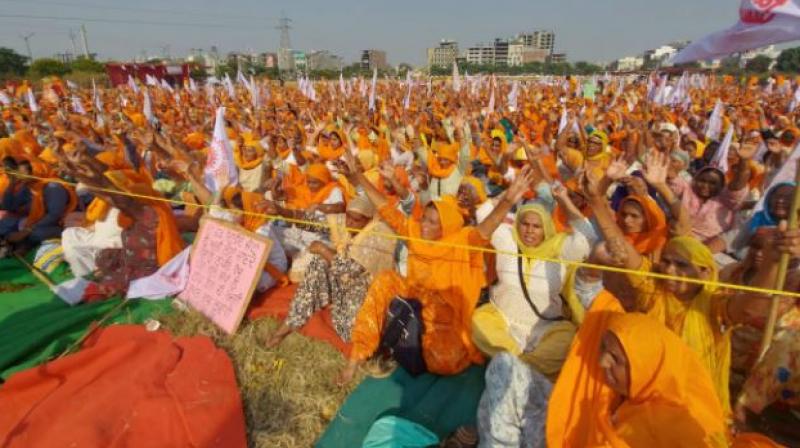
(287, 392)
(14, 287)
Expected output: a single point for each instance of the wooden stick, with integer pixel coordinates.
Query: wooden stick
(769, 329)
(38, 273)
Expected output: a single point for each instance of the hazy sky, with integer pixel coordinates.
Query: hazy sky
(593, 30)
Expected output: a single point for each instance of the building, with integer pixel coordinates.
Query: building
(299, 60)
(770, 52)
(520, 54)
(285, 59)
(557, 58)
(628, 63)
(540, 39)
(480, 54)
(371, 59)
(324, 60)
(500, 51)
(657, 57)
(270, 60)
(444, 55)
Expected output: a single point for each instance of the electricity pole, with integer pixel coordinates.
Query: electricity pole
(27, 39)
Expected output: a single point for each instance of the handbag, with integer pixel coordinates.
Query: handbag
(401, 336)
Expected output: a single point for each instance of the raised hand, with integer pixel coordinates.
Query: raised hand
(520, 185)
(656, 167)
(617, 169)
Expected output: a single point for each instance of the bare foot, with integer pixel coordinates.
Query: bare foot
(273, 340)
(346, 375)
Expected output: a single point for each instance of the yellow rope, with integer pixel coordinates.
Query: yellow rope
(580, 264)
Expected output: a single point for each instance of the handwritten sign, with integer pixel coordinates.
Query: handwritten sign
(226, 264)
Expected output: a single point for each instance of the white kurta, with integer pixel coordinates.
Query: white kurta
(81, 245)
(544, 283)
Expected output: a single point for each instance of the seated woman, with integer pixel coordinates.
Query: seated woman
(637, 384)
(525, 316)
(339, 276)
(46, 202)
(643, 224)
(713, 204)
(103, 230)
(443, 276)
(313, 200)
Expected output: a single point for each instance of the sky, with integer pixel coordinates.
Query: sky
(590, 30)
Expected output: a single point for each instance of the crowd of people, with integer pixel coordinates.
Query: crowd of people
(460, 221)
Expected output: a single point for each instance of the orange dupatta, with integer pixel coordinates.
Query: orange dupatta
(655, 234)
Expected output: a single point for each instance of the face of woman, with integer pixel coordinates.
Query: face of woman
(674, 264)
(355, 220)
(249, 153)
(314, 184)
(594, 146)
(675, 167)
(335, 140)
(631, 217)
(496, 145)
(466, 196)
(780, 201)
(530, 229)
(707, 184)
(614, 363)
(444, 163)
(431, 225)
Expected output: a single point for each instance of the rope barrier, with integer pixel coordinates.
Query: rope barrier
(490, 250)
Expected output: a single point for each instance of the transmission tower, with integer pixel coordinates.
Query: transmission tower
(27, 38)
(284, 27)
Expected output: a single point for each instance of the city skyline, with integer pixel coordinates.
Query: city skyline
(585, 30)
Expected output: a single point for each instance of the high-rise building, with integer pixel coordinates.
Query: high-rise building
(371, 59)
(444, 55)
(520, 54)
(540, 39)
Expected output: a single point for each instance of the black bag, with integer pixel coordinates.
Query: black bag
(401, 338)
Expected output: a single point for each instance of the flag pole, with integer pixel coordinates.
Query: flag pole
(769, 329)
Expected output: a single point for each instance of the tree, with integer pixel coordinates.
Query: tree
(759, 64)
(789, 60)
(48, 67)
(84, 64)
(11, 62)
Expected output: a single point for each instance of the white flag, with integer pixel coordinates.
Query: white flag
(720, 159)
(132, 84)
(77, 106)
(219, 163)
(32, 101)
(147, 108)
(456, 78)
(410, 82)
(192, 85)
(4, 99)
(150, 80)
(229, 85)
(490, 107)
(795, 100)
(72, 85)
(372, 89)
(564, 121)
(714, 126)
(761, 23)
(342, 88)
(512, 97)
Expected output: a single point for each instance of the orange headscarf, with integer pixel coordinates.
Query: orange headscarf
(655, 233)
(238, 156)
(302, 197)
(447, 266)
(671, 401)
(447, 151)
(168, 237)
(328, 152)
